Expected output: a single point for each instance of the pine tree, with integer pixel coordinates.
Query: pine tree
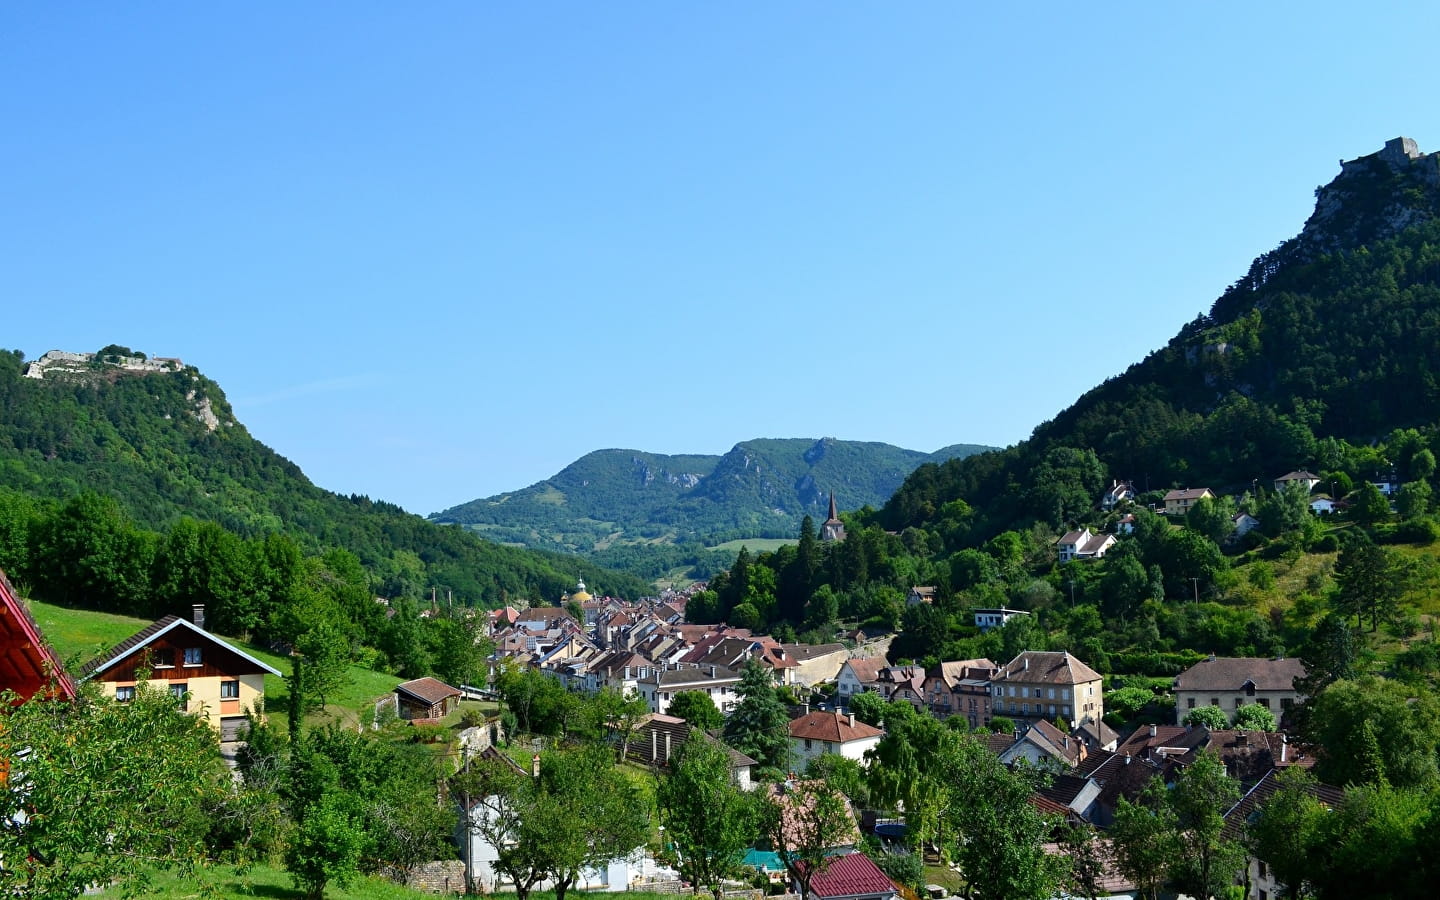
(758, 725)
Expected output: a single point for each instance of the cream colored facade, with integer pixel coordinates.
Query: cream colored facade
(216, 679)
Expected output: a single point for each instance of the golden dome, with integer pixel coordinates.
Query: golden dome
(580, 595)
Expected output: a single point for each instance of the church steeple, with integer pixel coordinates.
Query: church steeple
(833, 529)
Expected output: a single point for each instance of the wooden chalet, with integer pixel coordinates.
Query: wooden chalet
(210, 677)
(426, 698)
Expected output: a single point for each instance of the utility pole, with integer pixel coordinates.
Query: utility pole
(1196, 581)
(1072, 593)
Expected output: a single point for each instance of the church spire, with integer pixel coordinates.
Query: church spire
(833, 529)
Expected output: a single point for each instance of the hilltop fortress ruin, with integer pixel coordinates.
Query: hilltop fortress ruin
(64, 362)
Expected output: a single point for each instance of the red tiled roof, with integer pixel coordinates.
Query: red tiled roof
(852, 875)
(831, 726)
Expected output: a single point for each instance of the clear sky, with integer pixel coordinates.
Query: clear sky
(437, 251)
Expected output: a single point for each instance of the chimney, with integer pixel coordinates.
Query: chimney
(1025, 664)
(712, 671)
(667, 746)
(1127, 759)
(852, 720)
(654, 745)
(535, 766)
(1284, 747)
(1152, 730)
(197, 612)
(807, 710)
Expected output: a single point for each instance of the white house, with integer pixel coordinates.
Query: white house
(986, 619)
(481, 816)
(1118, 492)
(1309, 479)
(1243, 523)
(831, 732)
(659, 686)
(1083, 545)
(857, 675)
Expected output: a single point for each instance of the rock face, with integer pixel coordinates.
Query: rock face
(1374, 197)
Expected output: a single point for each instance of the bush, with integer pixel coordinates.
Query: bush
(1327, 544)
(1423, 531)
(427, 734)
(472, 718)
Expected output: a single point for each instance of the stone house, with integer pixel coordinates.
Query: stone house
(1233, 682)
(961, 688)
(1047, 685)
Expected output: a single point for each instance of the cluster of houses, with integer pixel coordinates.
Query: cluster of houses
(1053, 699)
(1084, 544)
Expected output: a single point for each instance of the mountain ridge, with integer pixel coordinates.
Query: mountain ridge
(161, 438)
(760, 488)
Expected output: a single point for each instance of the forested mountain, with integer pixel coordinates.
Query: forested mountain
(166, 445)
(760, 489)
(1328, 344)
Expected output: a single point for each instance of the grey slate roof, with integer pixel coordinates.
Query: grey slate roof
(1230, 673)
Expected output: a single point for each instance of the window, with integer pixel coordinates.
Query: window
(1214, 701)
(1066, 711)
(178, 691)
(125, 693)
(1064, 693)
(1037, 694)
(1263, 701)
(229, 690)
(162, 658)
(807, 744)
(192, 656)
(1286, 702)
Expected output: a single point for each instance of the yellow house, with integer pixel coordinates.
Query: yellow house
(209, 677)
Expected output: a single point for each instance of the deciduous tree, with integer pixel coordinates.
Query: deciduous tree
(98, 791)
(708, 819)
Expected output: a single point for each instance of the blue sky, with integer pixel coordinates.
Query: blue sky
(438, 251)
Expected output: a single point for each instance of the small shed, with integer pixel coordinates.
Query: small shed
(426, 698)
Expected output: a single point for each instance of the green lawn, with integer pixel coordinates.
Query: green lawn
(272, 882)
(262, 881)
(756, 545)
(79, 634)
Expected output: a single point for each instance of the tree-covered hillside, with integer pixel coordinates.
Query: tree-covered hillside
(167, 446)
(1325, 340)
(760, 489)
